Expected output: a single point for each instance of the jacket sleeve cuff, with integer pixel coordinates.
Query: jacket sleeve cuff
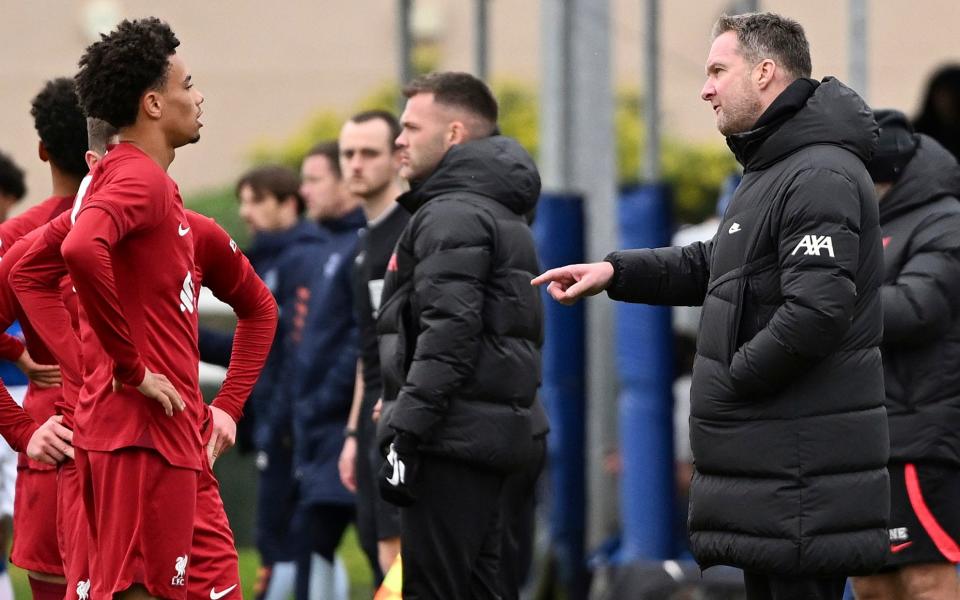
(613, 288)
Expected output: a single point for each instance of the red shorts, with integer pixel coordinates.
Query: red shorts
(214, 566)
(35, 545)
(141, 512)
(72, 532)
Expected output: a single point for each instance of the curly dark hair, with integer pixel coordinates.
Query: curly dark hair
(11, 178)
(117, 70)
(61, 125)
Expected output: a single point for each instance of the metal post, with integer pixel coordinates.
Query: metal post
(651, 157)
(405, 37)
(556, 87)
(480, 40)
(858, 47)
(594, 172)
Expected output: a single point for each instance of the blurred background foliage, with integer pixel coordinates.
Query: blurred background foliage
(694, 171)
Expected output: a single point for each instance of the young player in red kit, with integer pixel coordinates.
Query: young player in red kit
(220, 267)
(62, 130)
(130, 256)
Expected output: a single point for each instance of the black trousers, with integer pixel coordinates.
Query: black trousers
(769, 587)
(518, 504)
(451, 536)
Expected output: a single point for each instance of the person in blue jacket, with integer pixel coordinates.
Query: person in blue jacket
(325, 370)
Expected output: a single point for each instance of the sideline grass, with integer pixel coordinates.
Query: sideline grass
(353, 558)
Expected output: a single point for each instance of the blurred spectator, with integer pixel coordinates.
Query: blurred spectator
(12, 186)
(918, 186)
(940, 116)
(324, 371)
(370, 163)
(322, 186)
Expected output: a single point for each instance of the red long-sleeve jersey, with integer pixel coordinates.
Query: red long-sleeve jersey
(18, 424)
(220, 266)
(130, 256)
(40, 214)
(13, 229)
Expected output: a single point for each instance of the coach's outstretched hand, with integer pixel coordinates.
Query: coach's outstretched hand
(43, 376)
(572, 282)
(51, 443)
(159, 388)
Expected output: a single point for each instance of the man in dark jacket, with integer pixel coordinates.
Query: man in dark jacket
(787, 425)
(918, 184)
(460, 335)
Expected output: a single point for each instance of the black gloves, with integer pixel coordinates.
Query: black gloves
(399, 472)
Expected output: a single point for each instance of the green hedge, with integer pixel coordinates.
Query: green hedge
(695, 171)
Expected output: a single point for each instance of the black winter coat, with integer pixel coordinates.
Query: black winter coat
(460, 326)
(920, 217)
(787, 424)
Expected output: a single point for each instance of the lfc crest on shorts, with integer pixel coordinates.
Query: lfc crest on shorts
(181, 568)
(83, 589)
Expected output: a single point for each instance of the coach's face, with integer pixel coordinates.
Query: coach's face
(181, 105)
(730, 88)
(427, 134)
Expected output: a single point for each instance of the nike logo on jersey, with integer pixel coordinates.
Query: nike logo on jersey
(734, 228)
(813, 244)
(399, 469)
(900, 547)
(182, 231)
(215, 595)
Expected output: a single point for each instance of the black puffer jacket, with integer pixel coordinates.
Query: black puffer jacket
(460, 326)
(920, 217)
(787, 425)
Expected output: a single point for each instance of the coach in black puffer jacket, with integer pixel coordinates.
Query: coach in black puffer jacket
(787, 424)
(460, 327)
(920, 216)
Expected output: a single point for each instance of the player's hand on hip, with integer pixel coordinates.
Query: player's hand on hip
(572, 282)
(347, 464)
(43, 376)
(51, 443)
(224, 434)
(157, 387)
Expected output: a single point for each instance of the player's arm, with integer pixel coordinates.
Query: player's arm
(231, 278)
(818, 254)
(921, 304)
(86, 251)
(347, 463)
(43, 376)
(36, 280)
(11, 349)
